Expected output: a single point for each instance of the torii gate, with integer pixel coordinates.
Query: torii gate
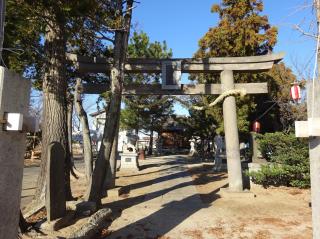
(172, 69)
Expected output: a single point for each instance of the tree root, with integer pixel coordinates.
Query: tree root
(95, 223)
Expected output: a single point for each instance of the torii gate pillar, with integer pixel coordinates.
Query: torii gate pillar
(231, 134)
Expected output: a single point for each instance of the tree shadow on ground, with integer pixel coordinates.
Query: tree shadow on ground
(141, 168)
(172, 213)
(175, 161)
(167, 218)
(126, 189)
(179, 162)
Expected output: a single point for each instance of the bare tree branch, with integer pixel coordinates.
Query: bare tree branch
(104, 37)
(308, 34)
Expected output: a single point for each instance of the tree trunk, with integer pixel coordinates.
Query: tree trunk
(150, 143)
(23, 224)
(96, 181)
(202, 149)
(54, 126)
(87, 146)
(112, 116)
(92, 228)
(69, 119)
(136, 131)
(110, 178)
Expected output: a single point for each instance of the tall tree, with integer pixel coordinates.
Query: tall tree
(87, 146)
(92, 39)
(146, 112)
(50, 30)
(123, 15)
(45, 18)
(241, 31)
(23, 49)
(54, 96)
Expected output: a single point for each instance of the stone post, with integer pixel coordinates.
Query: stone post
(14, 98)
(55, 188)
(313, 96)
(231, 134)
(256, 153)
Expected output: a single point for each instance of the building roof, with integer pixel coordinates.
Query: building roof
(172, 124)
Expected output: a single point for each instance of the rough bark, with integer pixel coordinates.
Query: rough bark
(96, 222)
(69, 119)
(54, 127)
(87, 146)
(95, 188)
(70, 128)
(202, 149)
(150, 143)
(110, 178)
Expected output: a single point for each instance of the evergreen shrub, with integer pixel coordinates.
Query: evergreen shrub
(288, 159)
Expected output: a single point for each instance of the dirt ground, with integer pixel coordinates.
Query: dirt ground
(174, 197)
(274, 213)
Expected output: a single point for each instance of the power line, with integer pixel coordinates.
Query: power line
(266, 111)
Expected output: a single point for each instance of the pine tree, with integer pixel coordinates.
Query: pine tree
(123, 15)
(46, 30)
(146, 113)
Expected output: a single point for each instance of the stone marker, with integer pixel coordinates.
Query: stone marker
(14, 98)
(129, 157)
(254, 148)
(220, 154)
(193, 150)
(55, 188)
(257, 159)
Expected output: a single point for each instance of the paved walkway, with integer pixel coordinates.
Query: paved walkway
(166, 204)
(29, 182)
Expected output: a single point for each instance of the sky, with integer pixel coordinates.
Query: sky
(181, 23)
